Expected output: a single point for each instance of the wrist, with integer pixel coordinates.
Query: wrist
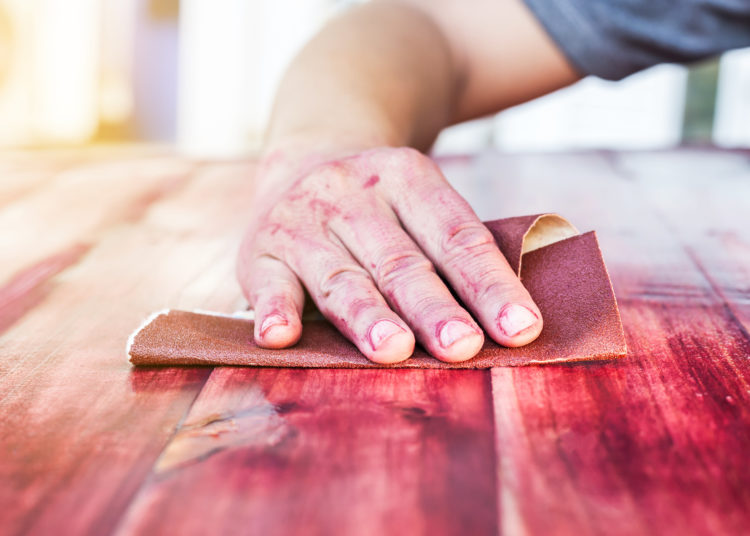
(322, 140)
(292, 154)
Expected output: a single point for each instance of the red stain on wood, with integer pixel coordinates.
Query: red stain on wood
(329, 452)
(652, 444)
(74, 466)
(139, 207)
(28, 288)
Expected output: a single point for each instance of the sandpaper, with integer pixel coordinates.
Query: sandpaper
(563, 271)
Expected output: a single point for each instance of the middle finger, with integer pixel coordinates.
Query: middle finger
(409, 282)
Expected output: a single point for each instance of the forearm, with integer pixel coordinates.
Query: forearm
(381, 74)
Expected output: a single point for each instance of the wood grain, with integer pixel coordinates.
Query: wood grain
(81, 429)
(78, 204)
(653, 444)
(703, 199)
(303, 451)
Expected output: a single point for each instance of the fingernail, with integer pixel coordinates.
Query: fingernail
(515, 318)
(381, 331)
(271, 321)
(453, 331)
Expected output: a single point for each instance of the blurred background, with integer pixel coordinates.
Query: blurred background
(201, 74)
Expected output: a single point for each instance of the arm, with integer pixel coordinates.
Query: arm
(346, 209)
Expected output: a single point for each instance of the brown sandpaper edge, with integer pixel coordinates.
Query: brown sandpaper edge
(567, 279)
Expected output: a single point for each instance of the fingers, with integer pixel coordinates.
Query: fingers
(277, 298)
(347, 296)
(451, 235)
(344, 241)
(410, 284)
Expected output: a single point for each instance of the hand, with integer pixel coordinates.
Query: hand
(364, 232)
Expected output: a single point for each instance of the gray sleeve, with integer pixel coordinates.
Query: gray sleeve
(614, 38)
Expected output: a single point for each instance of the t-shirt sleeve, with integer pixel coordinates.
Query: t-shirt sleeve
(614, 38)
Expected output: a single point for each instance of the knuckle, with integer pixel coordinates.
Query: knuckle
(278, 285)
(280, 298)
(434, 310)
(249, 260)
(331, 175)
(400, 266)
(467, 239)
(267, 272)
(246, 251)
(495, 286)
(404, 159)
(352, 307)
(279, 216)
(405, 155)
(343, 279)
(272, 241)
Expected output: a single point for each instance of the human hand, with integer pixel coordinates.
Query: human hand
(366, 232)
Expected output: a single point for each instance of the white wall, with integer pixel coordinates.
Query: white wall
(232, 56)
(732, 121)
(642, 111)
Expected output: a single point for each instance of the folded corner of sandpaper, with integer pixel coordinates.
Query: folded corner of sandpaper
(563, 271)
(144, 324)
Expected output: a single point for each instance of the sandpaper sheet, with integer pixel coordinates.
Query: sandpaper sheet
(563, 271)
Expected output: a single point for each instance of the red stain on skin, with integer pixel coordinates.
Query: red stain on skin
(297, 194)
(273, 228)
(319, 193)
(325, 208)
(29, 287)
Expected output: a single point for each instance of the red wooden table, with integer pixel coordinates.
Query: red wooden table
(657, 443)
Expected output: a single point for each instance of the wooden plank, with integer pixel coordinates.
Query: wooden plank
(322, 451)
(590, 190)
(25, 171)
(188, 465)
(653, 444)
(308, 451)
(81, 429)
(77, 205)
(29, 287)
(656, 445)
(703, 196)
(72, 457)
(568, 463)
